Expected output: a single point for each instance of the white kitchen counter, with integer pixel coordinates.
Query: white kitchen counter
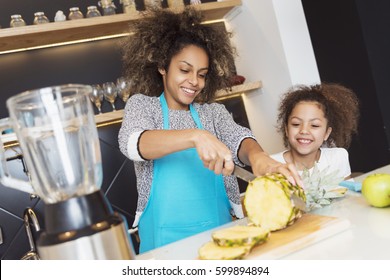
(367, 237)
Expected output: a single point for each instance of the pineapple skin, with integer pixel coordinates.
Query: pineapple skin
(278, 181)
(212, 251)
(227, 238)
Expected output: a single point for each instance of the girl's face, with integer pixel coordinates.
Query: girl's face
(307, 128)
(186, 77)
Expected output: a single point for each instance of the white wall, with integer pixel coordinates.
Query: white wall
(274, 46)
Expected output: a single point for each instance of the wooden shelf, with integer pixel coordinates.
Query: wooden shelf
(239, 89)
(109, 118)
(33, 36)
(116, 116)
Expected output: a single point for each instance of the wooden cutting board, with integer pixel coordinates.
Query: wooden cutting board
(308, 230)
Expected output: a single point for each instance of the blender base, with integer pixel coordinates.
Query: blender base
(111, 244)
(86, 228)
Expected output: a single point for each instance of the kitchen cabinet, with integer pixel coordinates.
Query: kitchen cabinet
(37, 36)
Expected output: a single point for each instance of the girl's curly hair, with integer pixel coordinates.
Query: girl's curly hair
(340, 106)
(161, 34)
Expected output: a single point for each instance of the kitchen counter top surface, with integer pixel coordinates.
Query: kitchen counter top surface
(366, 237)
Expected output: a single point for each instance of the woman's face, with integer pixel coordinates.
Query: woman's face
(186, 77)
(307, 128)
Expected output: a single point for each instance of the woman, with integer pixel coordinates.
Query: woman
(184, 146)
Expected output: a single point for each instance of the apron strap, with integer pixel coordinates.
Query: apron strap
(165, 109)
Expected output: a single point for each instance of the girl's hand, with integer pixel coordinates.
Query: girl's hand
(214, 154)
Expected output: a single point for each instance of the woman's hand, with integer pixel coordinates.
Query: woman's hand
(214, 154)
(265, 164)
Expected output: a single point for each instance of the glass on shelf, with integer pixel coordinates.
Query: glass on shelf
(92, 11)
(128, 6)
(74, 13)
(97, 97)
(110, 93)
(195, 2)
(16, 21)
(40, 18)
(123, 89)
(151, 4)
(60, 16)
(108, 7)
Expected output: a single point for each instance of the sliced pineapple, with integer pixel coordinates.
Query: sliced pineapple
(212, 251)
(268, 202)
(240, 236)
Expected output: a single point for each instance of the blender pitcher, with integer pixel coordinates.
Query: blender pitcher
(57, 134)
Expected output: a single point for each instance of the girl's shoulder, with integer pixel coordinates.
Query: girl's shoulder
(279, 156)
(334, 155)
(336, 159)
(334, 151)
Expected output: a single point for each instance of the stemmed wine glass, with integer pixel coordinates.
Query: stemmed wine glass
(96, 97)
(123, 88)
(110, 93)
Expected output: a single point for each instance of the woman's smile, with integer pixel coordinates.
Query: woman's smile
(189, 92)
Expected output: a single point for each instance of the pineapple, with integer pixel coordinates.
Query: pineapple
(212, 251)
(240, 236)
(268, 202)
(233, 243)
(321, 187)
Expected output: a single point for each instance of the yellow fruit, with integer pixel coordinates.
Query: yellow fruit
(240, 236)
(268, 202)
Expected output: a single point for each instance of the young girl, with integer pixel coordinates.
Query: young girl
(317, 123)
(184, 147)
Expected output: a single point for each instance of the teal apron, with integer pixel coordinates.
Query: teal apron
(185, 198)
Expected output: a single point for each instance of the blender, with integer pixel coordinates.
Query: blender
(57, 134)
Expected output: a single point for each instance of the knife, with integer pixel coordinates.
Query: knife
(247, 176)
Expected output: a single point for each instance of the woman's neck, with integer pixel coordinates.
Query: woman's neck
(302, 162)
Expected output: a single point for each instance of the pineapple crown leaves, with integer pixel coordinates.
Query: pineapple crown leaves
(318, 186)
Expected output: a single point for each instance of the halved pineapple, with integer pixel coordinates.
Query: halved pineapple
(240, 236)
(212, 251)
(268, 202)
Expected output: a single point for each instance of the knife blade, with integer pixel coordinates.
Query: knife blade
(243, 174)
(298, 202)
(247, 176)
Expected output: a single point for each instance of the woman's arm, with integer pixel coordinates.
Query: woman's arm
(215, 155)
